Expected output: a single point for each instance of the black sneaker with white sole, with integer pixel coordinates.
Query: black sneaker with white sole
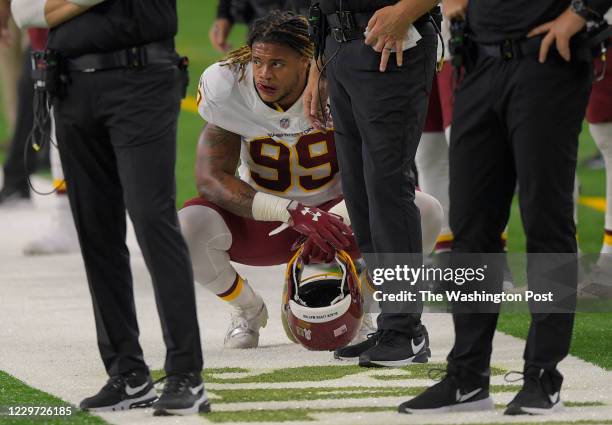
(450, 395)
(352, 352)
(183, 394)
(122, 392)
(539, 395)
(396, 349)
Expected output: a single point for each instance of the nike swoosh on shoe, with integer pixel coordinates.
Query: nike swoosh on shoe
(135, 390)
(464, 397)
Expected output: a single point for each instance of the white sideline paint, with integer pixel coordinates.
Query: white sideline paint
(47, 339)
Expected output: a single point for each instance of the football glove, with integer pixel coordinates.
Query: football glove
(325, 230)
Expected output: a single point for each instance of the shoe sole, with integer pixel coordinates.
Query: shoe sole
(420, 358)
(533, 411)
(468, 406)
(200, 406)
(346, 359)
(143, 401)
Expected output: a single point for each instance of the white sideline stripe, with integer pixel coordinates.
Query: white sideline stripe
(48, 337)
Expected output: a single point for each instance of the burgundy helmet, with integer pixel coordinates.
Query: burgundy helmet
(324, 311)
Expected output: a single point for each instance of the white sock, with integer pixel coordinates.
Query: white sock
(602, 134)
(208, 239)
(432, 165)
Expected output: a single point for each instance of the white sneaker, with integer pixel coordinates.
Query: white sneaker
(367, 327)
(244, 328)
(598, 283)
(61, 238)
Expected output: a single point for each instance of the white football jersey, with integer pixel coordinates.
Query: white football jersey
(281, 153)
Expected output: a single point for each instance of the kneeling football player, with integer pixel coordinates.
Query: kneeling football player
(288, 185)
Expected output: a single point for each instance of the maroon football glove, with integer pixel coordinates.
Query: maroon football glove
(312, 254)
(326, 230)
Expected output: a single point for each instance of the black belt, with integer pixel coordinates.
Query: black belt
(347, 26)
(512, 49)
(134, 57)
(584, 46)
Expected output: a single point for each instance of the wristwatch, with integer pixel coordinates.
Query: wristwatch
(580, 8)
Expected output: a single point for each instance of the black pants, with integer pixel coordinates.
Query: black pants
(117, 137)
(517, 120)
(378, 119)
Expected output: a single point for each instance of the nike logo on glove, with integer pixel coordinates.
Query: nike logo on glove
(417, 348)
(463, 397)
(134, 390)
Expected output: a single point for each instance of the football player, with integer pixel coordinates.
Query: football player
(288, 184)
(599, 116)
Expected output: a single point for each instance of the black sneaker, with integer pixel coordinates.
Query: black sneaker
(450, 395)
(352, 352)
(11, 195)
(539, 395)
(122, 392)
(395, 349)
(183, 394)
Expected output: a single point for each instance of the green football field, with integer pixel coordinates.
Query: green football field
(592, 339)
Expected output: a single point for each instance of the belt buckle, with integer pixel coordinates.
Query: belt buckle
(136, 57)
(507, 50)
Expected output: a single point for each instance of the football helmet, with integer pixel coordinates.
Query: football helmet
(323, 311)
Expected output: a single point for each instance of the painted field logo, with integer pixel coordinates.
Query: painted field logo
(303, 394)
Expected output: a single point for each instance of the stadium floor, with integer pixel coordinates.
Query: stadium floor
(48, 342)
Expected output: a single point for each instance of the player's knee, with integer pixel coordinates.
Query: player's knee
(201, 225)
(602, 135)
(432, 216)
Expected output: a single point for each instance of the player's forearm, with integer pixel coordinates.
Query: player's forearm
(228, 192)
(217, 159)
(59, 11)
(48, 13)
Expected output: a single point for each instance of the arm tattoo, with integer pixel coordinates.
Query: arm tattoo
(217, 161)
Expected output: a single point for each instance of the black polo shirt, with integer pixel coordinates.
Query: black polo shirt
(330, 6)
(115, 25)
(492, 21)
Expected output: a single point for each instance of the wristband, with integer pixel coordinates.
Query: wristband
(341, 210)
(268, 207)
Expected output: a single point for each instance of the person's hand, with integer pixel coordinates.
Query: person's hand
(386, 31)
(219, 31)
(315, 96)
(559, 31)
(5, 14)
(454, 9)
(327, 231)
(312, 254)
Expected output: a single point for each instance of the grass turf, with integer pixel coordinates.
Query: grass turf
(14, 392)
(315, 374)
(305, 414)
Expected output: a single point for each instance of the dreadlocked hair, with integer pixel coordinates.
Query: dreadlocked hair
(277, 27)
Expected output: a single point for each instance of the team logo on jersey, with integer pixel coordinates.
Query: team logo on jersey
(284, 123)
